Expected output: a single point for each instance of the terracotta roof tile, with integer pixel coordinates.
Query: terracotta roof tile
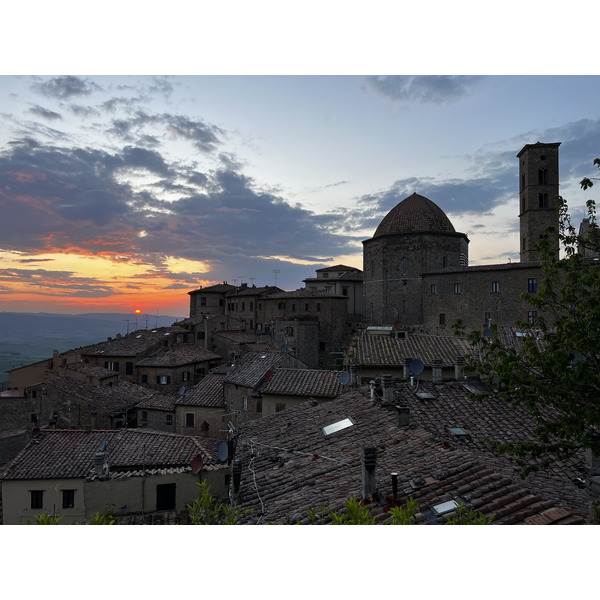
(178, 355)
(208, 392)
(70, 453)
(304, 382)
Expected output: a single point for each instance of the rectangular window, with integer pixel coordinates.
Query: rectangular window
(279, 406)
(433, 288)
(144, 417)
(259, 405)
(68, 498)
(442, 319)
(200, 335)
(325, 275)
(128, 368)
(243, 306)
(169, 420)
(318, 307)
(293, 308)
(259, 327)
(245, 402)
(532, 285)
(281, 305)
(144, 378)
(495, 287)
(306, 307)
(251, 305)
(458, 288)
(344, 291)
(111, 365)
(165, 496)
(260, 306)
(532, 317)
(189, 419)
(37, 498)
(163, 379)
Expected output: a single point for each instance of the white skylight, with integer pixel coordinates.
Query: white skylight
(337, 426)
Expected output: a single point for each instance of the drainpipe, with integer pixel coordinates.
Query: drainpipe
(237, 478)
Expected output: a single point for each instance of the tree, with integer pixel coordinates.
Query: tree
(555, 375)
(206, 510)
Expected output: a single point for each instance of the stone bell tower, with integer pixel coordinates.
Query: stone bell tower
(538, 189)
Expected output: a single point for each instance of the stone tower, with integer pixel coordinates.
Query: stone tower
(538, 189)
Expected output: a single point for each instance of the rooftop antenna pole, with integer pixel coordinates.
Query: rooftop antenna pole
(156, 325)
(127, 321)
(276, 271)
(146, 321)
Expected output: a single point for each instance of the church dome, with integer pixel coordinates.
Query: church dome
(415, 214)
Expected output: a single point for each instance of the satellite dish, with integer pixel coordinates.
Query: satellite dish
(344, 378)
(416, 366)
(222, 450)
(487, 332)
(283, 348)
(182, 390)
(103, 446)
(398, 324)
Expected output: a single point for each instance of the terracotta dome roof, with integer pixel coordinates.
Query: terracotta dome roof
(415, 214)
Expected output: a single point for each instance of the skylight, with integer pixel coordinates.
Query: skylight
(337, 426)
(444, 507)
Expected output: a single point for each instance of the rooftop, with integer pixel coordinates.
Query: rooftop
(304, 382)
(415, 214)
(288, 468)
(70, 453)
(178, 355)
(388, 351)
(208, 392)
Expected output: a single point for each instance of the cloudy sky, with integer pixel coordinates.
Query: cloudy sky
(125, 192)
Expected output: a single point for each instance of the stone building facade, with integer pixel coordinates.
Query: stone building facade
(416, 273)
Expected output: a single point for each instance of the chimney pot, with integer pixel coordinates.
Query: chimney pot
(407, 362)
(369, 462)
(436, 370)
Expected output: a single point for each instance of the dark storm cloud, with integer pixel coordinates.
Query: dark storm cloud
(78, 199)
(65, 87)
(434, 89)
(56, 282)
(40, 111)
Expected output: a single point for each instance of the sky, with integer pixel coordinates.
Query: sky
(123, 193)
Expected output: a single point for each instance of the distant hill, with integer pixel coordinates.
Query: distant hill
(26, 338)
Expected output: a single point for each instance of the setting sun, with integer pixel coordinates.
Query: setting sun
(138, 311)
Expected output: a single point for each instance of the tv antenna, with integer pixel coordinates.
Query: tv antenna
(126, 321)
(276, 271)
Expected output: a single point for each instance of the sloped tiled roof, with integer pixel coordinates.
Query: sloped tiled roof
(287, 468)
(208, 392)
(266, 290)
(164, 402)
(70, 453)
(385, 350)
(253, 366)
(239, 336)
(305, 293)
(132, 344)
(178, 355)
(91, 370)
(219, 288)
(304, 382)
(108, 398)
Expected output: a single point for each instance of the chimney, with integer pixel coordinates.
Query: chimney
(372, 384)
(436, 370)
(100, 466)
(403, 416)
(237, 478)
(407, 362)
(388, 389)
(459, 363)
(369, 462)
(353, 375)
